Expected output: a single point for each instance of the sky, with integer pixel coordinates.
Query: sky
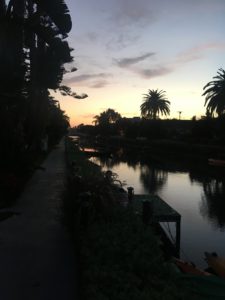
(123, 48)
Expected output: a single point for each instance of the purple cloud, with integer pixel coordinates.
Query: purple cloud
(198, 52)
(150, 73)
(126, 62)
(99, 84)
(133, 13)
(84, 78)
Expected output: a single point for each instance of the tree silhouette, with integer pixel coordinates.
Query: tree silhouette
(33, 51)
(46, 27)
(58, 121)
(155, 103)
(215, 94)
(107, 117)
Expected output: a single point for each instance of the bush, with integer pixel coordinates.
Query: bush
(121, 259)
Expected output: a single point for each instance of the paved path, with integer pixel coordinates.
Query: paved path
(36, 254)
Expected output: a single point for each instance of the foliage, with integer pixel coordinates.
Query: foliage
(66, 91)
(106, 122)
(80, 166)
(107, 117)
(33, 50)
(215, 94)
(121, 259)
(155, 103)
(58, 122)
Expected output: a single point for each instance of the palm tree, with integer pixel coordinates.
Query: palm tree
(107, 117)
(97, 120)
(215, 94)
(155, 103)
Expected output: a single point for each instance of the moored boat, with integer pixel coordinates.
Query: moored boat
(189, 268)
(216, 162)
(217, 263)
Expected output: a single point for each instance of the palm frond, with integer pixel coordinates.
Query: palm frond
(58, 12)
(155, 103)
(214, 92)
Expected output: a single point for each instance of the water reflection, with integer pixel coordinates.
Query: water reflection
(213, 202)
(212, 205)
(196, 191)
(153, 176)
(115, 159)
(150, 176)
(153, 179)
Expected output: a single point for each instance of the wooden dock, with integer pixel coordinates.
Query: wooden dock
(156, 210)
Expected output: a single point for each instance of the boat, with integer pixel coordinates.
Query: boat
(217, 263)
(216, 162)
(202, 284)
(189, 268)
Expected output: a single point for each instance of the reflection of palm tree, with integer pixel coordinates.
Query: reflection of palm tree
(153, 179)
(213, 204)
(118, 157)
(155, 103)
(105, 161)
(215, 94)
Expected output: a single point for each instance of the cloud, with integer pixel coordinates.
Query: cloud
(146, 73)
(99, 84)
(198, 52)
(84, 78)
(126, 62)
(87, 116)
(150, 73)
(80, 97)
(182, 58)
(122, 40)
(126, 21)
(188, 57)
(133, 13)
(92, 36)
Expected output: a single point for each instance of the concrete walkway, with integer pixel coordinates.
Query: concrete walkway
(36, 254)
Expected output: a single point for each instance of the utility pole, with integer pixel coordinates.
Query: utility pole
(179, 112)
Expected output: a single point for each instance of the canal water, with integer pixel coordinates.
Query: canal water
(196, 192)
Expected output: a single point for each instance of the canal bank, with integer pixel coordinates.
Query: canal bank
(170, 148)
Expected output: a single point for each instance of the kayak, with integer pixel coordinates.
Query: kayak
(217, 263)
(216, 162)
(189, 268)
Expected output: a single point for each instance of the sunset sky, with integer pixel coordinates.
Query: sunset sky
(122, 48)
